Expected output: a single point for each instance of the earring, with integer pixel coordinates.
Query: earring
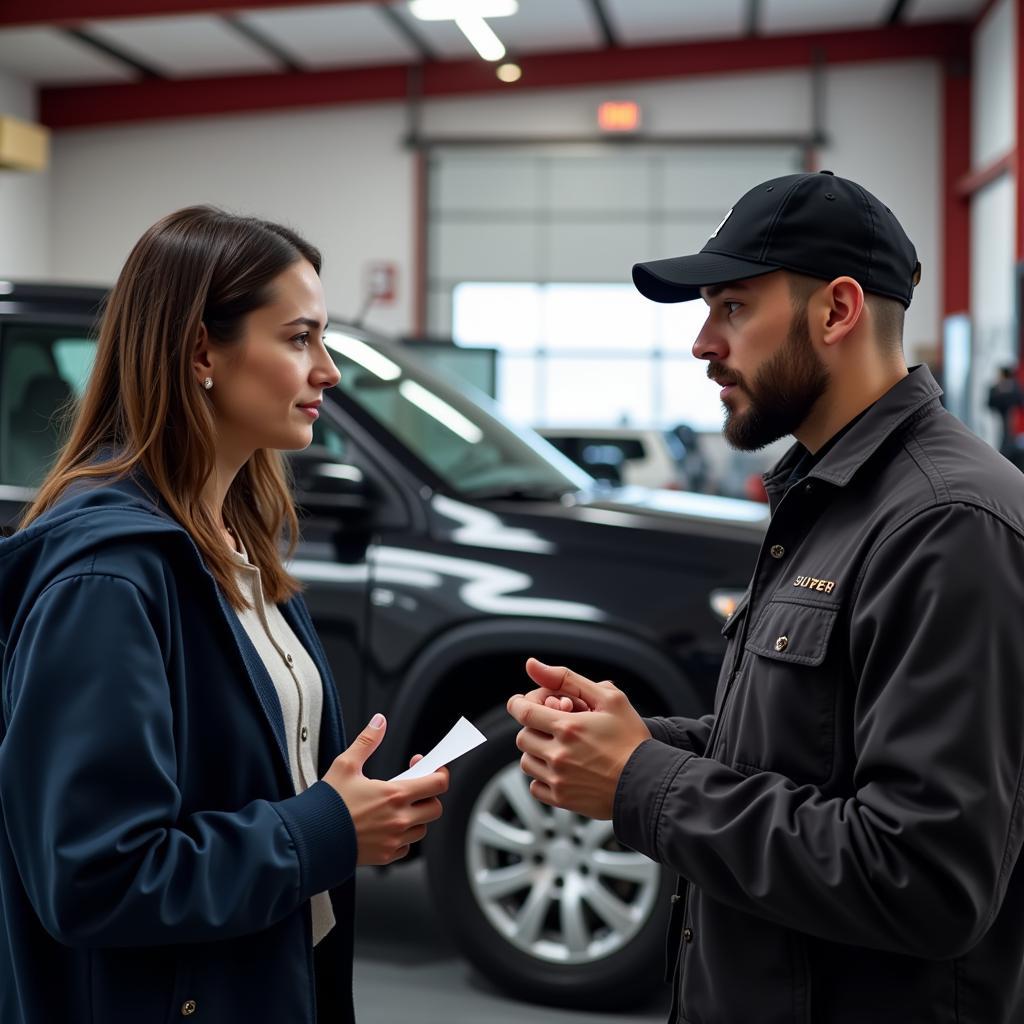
(208, 383)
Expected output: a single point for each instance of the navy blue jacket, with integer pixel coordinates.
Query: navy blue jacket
(154, 858)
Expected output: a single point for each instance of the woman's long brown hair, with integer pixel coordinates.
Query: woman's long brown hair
(142, 407)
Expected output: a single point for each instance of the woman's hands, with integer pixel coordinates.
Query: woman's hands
(389, 816)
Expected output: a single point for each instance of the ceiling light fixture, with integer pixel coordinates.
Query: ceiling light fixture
(509, 72)
(482, 37)
(449, 10)
(469, 16)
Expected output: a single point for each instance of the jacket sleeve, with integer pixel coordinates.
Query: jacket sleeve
(684, 733)
(91, 802)
(917, 859)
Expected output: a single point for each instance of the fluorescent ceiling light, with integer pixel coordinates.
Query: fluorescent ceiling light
(441, 411)
(361, 353)
(469, 16)
(482, 36)
(449, 10)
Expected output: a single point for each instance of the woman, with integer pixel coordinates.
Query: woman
(180, 824)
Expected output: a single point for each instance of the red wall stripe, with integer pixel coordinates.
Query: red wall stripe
(150, 99)
(956, 165)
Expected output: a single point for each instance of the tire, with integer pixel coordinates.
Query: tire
(546, 904)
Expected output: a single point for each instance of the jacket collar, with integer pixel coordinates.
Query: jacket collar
(892, 411)
(136, 497)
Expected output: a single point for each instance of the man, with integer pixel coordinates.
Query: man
(1004, 399)
(846, 826)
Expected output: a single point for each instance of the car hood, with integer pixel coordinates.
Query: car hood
(640, 517)
(687, 505)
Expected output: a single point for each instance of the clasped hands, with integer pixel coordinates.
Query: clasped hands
(576, 738)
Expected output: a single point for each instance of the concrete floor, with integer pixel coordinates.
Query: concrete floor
(406, 970)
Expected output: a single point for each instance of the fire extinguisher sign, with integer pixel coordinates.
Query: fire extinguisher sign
(381, 278)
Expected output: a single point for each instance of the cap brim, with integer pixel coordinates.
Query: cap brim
(682, 277)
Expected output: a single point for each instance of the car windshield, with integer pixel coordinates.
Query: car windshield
(458, 432)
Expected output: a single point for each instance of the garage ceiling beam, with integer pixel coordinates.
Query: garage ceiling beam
(604, 25)
(262, 42)
(74, 12)
(752, 17)
(895, 15)
(109, 50)
(407, 32)
(74, 106)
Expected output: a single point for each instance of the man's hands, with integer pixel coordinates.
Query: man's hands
(574, 759)
(389, 816)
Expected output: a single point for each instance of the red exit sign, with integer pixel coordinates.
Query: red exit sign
(618, 116)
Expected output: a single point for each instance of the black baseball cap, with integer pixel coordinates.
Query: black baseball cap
(814, 224)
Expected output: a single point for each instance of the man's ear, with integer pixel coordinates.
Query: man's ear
(846, 306)
(202, 355)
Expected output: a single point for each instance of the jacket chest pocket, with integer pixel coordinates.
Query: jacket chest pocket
(784, 717)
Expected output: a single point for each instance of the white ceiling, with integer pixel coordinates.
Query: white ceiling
(783, 17)
(184, 47)
(47, 56)
(331, 36)
(668, 21)
(325, 36)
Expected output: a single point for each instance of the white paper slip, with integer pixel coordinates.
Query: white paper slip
(462, 737)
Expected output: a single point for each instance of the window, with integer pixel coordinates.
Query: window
(589, 354)
(43, 370)
(530, 252)
(461, 439)
(327, 437)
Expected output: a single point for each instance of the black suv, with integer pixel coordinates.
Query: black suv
(440, 548)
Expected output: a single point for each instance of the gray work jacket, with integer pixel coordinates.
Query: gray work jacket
(848, 822)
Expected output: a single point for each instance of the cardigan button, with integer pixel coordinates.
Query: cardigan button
(304, 734)
(687, 935)
(188, 1008)
(289, 659)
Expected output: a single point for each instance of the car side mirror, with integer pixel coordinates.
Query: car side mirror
(325, 486)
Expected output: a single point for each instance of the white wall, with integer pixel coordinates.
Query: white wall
(341, 174)
(24, 198)
(885, 127)
(774, 101)
(338, 176)
(994, 71)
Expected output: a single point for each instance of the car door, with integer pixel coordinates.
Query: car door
(332, 558)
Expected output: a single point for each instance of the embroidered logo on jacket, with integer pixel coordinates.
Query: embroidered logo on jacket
(813, 583)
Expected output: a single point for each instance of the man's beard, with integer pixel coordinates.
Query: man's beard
(782, 393)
